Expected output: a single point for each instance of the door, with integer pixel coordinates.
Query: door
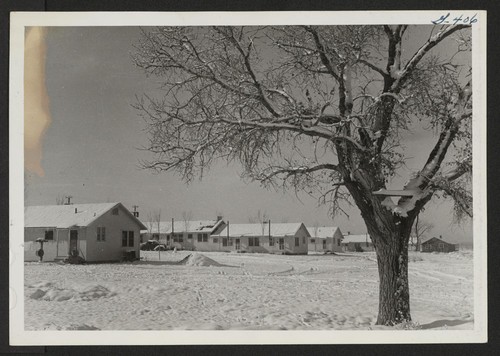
(324, 244)
(281, 243)
(73, 241)
(237, 244)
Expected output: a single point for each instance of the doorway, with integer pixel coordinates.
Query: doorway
(237, 244)
(73, 242)
(281, 243)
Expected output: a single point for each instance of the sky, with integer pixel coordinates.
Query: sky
(91, 146)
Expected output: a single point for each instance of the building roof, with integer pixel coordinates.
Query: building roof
(66, 216)
(277, 230)
(356, 238)
(432, 239)
(206, 226)
(322, 232)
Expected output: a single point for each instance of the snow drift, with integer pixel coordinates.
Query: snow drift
(197, 259)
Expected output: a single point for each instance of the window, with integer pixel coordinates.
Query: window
(49, 235)
(181, 237)
(101, 233)
(190, 236)
(297, 241)
(174, 236)
(215, 240)
(271, 241)
(114, 211)
(127, 239)
(313, 241)
(130, 239)
(253, 241)
(338, 242)
(202, 237)
(224, 241)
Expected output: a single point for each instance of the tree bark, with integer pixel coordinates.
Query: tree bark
(390, 235)
(394, 294)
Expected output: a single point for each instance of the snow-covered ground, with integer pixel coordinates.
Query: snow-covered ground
(216, 290)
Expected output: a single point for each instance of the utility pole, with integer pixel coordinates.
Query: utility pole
(172, 236)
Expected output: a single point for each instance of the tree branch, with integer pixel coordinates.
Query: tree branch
(322, 53)
(292, 171)
(431, 43)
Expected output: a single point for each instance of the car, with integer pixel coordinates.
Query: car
(149, 245)
(160, 247)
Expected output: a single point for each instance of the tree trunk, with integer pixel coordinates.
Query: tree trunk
(390, 235)
(394, 293)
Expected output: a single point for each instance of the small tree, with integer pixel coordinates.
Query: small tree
(261, 218)
(187, 216)
(319, 109)
(150, 223)
(420, 230)
(60, 199)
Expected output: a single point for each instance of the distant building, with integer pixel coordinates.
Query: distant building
(289, 238)
(357, 243)
(186, 235)
(435, 244)
(325, 239)
(96, 232)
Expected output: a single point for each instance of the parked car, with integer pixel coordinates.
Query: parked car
(149, 245)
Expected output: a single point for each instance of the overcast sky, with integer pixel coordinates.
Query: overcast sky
(91, 148)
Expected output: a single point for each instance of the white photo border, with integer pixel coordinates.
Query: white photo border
(19, 336)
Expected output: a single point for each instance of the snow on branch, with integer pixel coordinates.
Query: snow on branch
(293, 171)
(403, 75)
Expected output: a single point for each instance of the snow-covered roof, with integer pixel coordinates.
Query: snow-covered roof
(356, 238)
(65, 216)
(207, 226)
(277, 230)
(322, 232)
(438, 240)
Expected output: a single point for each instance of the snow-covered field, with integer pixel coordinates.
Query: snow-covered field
(216, 290)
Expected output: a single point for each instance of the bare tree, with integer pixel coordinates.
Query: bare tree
(261, 218)
(150, 223)
(155, 222)
(316, 229)
(420, 230)
(187, 216)
(321, 110)
(60, 199)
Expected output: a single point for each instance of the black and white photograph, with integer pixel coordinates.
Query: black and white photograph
(248, 178)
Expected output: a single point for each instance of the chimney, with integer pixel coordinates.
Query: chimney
(219, 217)
(135, 212)
(76, 210)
